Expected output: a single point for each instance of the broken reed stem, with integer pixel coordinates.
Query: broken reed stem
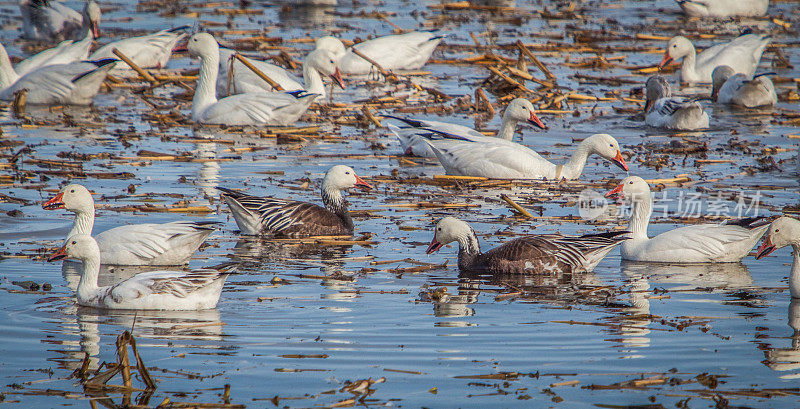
(481, 101)
(142, 73)
(122, 358)
(386, 74)
(386, 19)
(535, 60)
(368, 113)
(508, 79)
(258, 72)
(516, 207)
(20, 99)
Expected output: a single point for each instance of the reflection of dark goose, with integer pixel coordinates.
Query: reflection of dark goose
(255, 250)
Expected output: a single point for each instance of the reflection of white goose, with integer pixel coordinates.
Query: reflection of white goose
(787, 359)
(707, 275)
(208, 175)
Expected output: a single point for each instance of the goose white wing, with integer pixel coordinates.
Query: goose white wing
(148, 51)
(51, 84)
(698, 243)
(271, 108)
(140, 243)
(64, 53)
(245, 80)
(492, 160)
(53, 17)
(172, 283)
(404, 51)
(742, 54)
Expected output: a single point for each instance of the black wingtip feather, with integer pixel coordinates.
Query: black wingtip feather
(748, 222)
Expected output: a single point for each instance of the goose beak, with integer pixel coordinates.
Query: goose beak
(536, 121)
(765, 248)
(616, 192)
(620, 161)
(664, 61)
(647, 105)
(434, 247)
(54, 203)
(714, 95)
(59, 255)
(95, 29)
(179, 48)
(361, 184)
(337, 78)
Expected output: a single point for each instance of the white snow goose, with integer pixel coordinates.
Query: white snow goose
(147, 51)
(784, 231)
(253, 108)
(412, 136)
(727, 242)
(65, 52)
(724, 8)
(501, 159)
(74, 84)
(153, 290)
(662, 110)
(51, 20)
(289, 218)
(147, 244)
(243, 79)
(742, 54)
(546, 253)
(408, 51)
(741, 90)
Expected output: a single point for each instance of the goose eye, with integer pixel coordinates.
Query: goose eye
(630, 183)
(72, 191)
(777, 230)
(73, 241)
(439, 229)
(611, 145)
(346, 173)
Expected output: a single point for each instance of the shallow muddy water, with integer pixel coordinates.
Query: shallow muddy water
(626, 334)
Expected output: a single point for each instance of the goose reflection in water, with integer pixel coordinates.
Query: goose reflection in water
(692, 276)
(208, 175)
(787, 359)
(306, 15)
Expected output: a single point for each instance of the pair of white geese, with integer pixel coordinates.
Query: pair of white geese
(730, 67)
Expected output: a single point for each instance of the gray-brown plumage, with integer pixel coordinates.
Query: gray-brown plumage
(290, 218)
(530, 254)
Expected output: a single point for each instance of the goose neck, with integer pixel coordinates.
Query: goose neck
(794, 277)
(688, 66)
(507, 128)
(334, 201)
(640, 217)
(574, 166)
(468, 249)
(206, 95)
(313, 80)
(87, 286)
(84, 222)
(7, 74)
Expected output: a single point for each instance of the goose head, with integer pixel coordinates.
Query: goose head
(782, 232)
(677, 48)
(607, 147)
(324, 61)
(720, 75)
(522, 110)
(74, 198)
(448, 230)
(78, 247)
(632, 187)
(202, 45)
(656, 88)
(341, 177)
(331, 44)
(91, 13)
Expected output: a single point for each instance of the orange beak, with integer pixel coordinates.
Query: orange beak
(434, 247)
(536, 121)
(616, 192)
(360, 183)
(765, 248)
(647, 105)
(54, 203)
(59, 255)
(95, 29)
(620, 161)
(337, 78)
(664, 61)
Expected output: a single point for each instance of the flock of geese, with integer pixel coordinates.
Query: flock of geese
(229, 93)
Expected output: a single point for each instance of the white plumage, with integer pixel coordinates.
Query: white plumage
(407, 51)
(724, 8)
(147, 244)
(700, 243)
(742, 54)
(662, 110)
(742, 90)
(51, 20)
(147, 51)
